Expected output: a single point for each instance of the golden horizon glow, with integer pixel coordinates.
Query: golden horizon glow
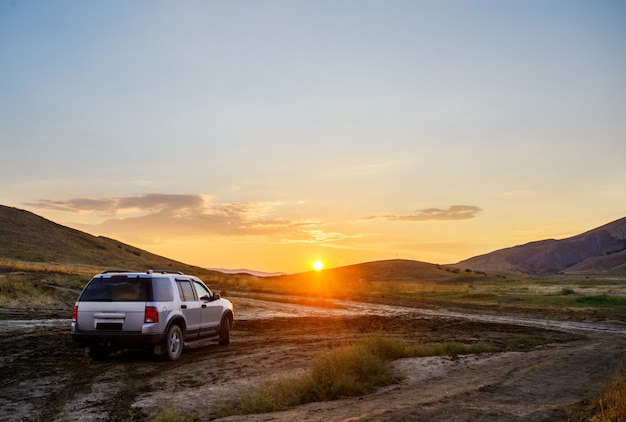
(429, 164)
(318, 265)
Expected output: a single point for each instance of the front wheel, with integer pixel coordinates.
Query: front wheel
(224, 332)
(173, 343)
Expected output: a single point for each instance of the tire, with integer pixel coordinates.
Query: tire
(173, 344)
(224, 339)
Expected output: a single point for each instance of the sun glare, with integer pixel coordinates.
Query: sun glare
(318, 265)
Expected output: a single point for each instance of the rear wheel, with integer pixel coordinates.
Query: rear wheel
(224, 331)
(173, 344)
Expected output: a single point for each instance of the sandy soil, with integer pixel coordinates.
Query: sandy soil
(45, 377)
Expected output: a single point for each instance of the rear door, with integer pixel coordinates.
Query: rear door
(190, 307)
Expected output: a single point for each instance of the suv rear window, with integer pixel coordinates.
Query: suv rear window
(116, 290)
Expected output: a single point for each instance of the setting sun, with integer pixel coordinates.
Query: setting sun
(318, 265)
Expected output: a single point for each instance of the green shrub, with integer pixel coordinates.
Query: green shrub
(602, 300)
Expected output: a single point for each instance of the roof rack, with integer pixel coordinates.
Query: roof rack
(117, 271)
(165, 272)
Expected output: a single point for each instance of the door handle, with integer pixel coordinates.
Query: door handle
(183, 306)
(203, 305)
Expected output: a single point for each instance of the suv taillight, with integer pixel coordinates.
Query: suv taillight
(75, 313)
(152, 314)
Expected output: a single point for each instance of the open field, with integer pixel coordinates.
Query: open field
(545, 362)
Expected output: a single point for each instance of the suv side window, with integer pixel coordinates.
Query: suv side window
(162, 289)
(185, 290)
(201, 290)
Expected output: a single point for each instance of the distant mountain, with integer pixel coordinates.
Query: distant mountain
(601, 250)
(250, 272)
(26, 236)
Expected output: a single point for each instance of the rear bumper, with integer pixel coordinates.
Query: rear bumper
(116, 338)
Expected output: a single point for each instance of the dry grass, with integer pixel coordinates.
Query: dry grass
(12, 265)
(40, 285)
(611, 406)
(171, 414)
(16, 291)
(348, 371)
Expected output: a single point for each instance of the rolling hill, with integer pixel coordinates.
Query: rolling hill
(388, 271)
(598, 251)
(25, 236)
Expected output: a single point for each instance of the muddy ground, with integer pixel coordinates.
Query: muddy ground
(43, 376)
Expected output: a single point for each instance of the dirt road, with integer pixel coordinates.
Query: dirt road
(44, 377)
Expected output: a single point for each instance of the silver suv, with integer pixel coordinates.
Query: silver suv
(156, 309)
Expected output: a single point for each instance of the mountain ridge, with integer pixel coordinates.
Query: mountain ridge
(26, 236)
(599, 250)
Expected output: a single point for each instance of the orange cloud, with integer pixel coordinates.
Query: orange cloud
(453, 213)
(149, 202)
(153, 217)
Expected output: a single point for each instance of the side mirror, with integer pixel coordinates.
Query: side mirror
(216, 296)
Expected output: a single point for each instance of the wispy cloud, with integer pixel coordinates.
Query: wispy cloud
(152, 202)
(152, 217)
(320, 236)
(453, 213)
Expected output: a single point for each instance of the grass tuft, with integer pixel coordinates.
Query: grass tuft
(348, 371)
(171, 414)
(352, 370)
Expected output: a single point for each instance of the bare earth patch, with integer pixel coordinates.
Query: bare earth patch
(45, 377)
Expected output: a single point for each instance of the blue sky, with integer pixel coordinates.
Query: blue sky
(268, 134)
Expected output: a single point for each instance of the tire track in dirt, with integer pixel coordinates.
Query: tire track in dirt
(45, 377)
